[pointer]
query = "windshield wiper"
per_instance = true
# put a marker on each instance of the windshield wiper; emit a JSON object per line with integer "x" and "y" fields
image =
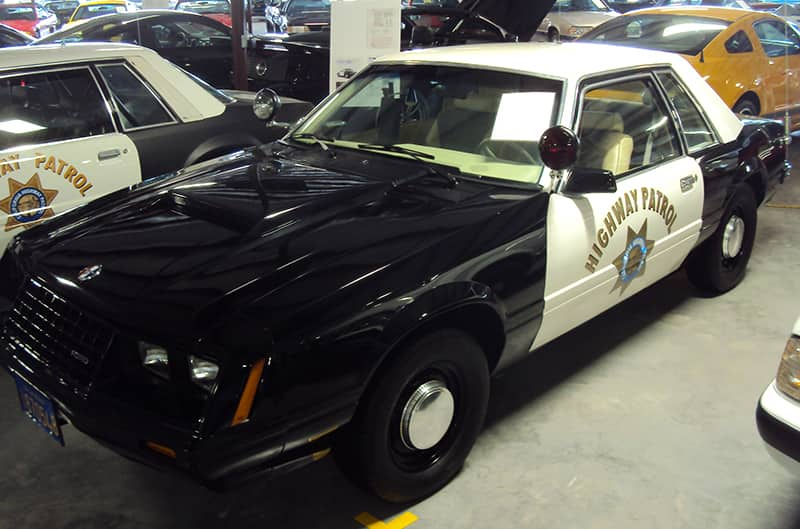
{"x": 422, "y": 157}
{"x": 319, "y": 141}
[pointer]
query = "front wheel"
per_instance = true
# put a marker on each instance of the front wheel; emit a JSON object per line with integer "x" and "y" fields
{"x": 417, "y": 422}
{"x": 719, "y": 264}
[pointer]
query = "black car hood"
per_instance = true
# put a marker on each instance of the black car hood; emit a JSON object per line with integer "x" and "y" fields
{"x": 520, "y": 17}
{"x": 180, "y": 257}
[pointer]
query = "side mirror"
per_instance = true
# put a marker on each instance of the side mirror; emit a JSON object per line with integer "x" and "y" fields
{"x": 266, "y": 104}
{"x": 558, "y": 148}
{"x": 586, "y": 180}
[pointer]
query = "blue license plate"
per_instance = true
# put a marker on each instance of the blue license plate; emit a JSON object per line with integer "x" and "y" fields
{"x": 39, "y": 408}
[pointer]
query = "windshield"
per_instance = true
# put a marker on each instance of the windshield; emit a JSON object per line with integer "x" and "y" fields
{"x": 61, "y": 6}
{"x": 205, "y": 6}
{"x": 674, "y": 33}
{"x": 17, "y": 13}
{"x": 580, "y": 5}
{"x": 84, "y": 12}
{"x": 478, "y": 122}
{"x": 298, "y": 7}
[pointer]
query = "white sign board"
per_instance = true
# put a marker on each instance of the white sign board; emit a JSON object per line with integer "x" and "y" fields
{"x": 361, "y": 31}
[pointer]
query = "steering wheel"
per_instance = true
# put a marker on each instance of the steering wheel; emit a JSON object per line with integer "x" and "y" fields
{"x": 517, "y": 153}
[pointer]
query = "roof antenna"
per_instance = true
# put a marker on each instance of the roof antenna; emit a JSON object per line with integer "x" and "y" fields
{"x": 702, "y": 56}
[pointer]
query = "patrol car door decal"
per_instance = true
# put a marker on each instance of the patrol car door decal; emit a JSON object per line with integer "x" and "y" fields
{"x": 59, "y": 167}
{"x": 605, "y": 247}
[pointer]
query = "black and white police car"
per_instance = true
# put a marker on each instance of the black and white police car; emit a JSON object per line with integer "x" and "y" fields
{"x": 80, "y": 120}
{"x": 441, "y": 215}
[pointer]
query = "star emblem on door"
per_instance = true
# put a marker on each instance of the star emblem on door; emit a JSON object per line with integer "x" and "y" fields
{"x": 27, "y": 204}
{"x": 632, "y": 262}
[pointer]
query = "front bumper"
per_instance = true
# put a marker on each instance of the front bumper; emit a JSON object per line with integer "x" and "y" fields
{"x": 778, "y": 421}
{"x": 233, "y": 456}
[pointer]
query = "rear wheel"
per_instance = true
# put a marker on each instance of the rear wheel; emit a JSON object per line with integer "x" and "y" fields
{"x": 418, "y": 421}
{"x": 720, "y": 263}
{"x": 552, "y": 35}
{"x": 746, "y": 107}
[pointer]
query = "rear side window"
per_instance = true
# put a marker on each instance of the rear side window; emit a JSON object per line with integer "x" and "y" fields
{"x": 136, "y": 104}
{"x": 51, "y": 106}
{"x": 698, "y": 134}
{"x": 777, "y": 38}
{"x": 739, "y": 43}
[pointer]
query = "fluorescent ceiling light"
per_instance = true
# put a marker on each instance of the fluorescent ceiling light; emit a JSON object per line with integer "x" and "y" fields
{"x": 18, "y": 126}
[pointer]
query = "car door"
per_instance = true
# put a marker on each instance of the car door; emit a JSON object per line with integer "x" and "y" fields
{"x": 201, "y": 46}
{"x": 146, "y": 119}
{"x": 58, "y": 146}
{"x": 780, "y": 44}
{"x": 603, "y": 247}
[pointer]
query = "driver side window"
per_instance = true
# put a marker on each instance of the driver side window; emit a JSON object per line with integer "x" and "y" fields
{"x": 623, "y": 127}
{"x": 188, "y": 35}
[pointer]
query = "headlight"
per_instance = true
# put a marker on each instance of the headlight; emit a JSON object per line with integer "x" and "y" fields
{"x": 577, "y": 31}
{"x": 788, "y": 378}
{"x": 155, "y": 359}
{"x": 203, "y": 372}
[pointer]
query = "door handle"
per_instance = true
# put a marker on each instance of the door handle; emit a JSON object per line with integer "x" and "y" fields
{"x": 107, "y": 155}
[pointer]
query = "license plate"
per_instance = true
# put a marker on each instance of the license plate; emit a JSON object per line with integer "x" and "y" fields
{"x": 39, "y": 408}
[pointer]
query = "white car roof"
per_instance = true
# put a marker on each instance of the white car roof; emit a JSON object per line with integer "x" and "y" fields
{"x": 574, "y": 61}
{"x": 188, "y": 99}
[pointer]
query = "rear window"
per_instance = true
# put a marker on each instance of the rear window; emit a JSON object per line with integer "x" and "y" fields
{"x": 84, "y": 12}
{"x": 674, "y": 33}
{"x": 17, "y": 13}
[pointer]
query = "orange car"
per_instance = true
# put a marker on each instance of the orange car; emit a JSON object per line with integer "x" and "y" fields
{"x": 751, "y": 58}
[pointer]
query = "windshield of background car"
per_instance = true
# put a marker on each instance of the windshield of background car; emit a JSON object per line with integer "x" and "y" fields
{"x": 61, "y": 6}
{"x": 480, "y": 122}
{"x": 580, "y": 5}
{"x": 674, "y": 33}
{"x": 204, "y": 7}
{"x": 298, "y": 7}
{"x": 15, "y": 12}
{"x": 84, "y": 12}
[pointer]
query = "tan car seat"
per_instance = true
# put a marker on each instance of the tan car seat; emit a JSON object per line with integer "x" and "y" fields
{"x": 604, "y": 144}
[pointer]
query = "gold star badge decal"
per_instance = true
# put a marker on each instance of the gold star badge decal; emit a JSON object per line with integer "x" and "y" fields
{"x": 632, "y": 262}
{"x": 28, "y": 203}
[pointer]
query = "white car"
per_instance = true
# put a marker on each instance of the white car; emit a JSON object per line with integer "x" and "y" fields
{"x": 81, "y": 120}
{"x": 569, "y": 19}
{"x": 778, "y": 412}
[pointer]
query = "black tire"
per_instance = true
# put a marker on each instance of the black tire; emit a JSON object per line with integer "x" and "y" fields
{"x": 708, "y": 267}
{"x": 372, "y": 450}
{"x": 745, "y": 106}
{"x": 552, "y": 35}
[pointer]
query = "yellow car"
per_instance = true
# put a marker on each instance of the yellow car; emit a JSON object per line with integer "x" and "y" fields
{"x": 96, "y": 8}
{"x": 751, "y": 58}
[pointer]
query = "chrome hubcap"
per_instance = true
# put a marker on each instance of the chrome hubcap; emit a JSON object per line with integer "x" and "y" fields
{"x": 427, "y": 415}
{"x": 733, "y": 237}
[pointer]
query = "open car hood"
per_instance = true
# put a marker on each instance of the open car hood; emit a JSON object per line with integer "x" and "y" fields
{"x": 520, "y": 17}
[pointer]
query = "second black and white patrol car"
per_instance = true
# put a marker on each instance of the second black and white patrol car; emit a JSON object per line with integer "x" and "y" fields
{"x": 81, "y": 120}
{"x": 354, "y": 285}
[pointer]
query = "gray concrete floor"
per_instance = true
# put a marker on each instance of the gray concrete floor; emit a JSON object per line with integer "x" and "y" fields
{"x": 642, "y": 418}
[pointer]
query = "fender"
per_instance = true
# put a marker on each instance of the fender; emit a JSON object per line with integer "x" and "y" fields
{"x": 221, "y": 145}
{"x": 442, "y": 302}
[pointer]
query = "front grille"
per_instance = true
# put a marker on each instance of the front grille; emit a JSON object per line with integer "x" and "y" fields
{"x": 66, "y": 342}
